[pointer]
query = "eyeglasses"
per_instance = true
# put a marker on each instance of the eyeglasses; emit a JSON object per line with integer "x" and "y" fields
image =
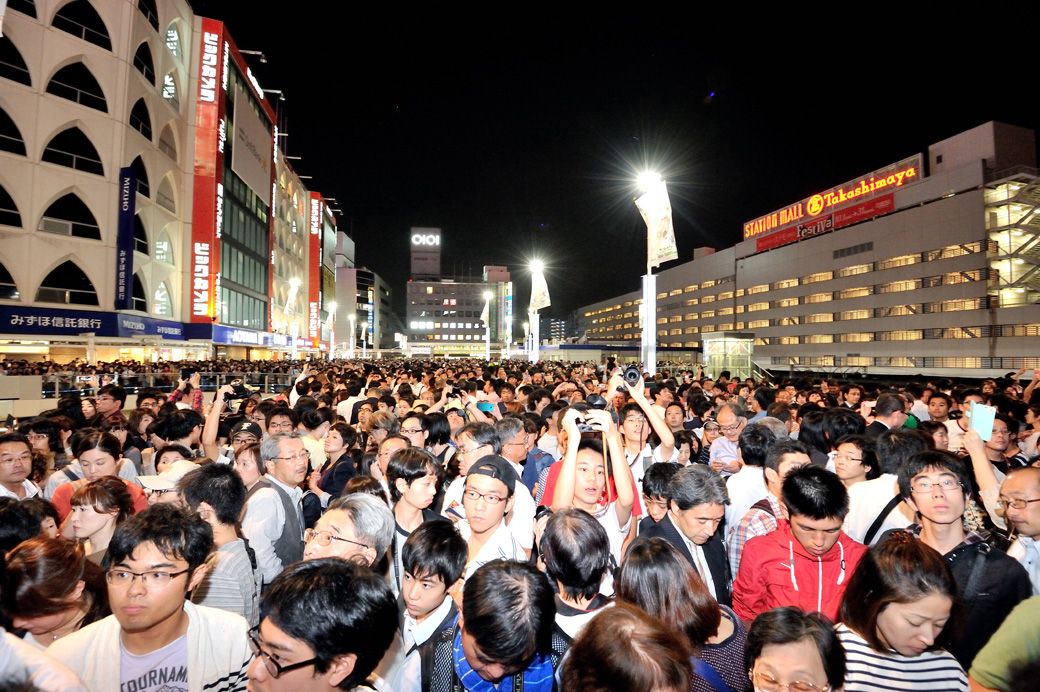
{"x": 711, "y": 428}
{"x": 325, "y": 538}
{"x": 151, "y": 580}
{"x": 634, "y": 419}
{"x": 733, "y": 427}
{"x": 846, "y": 457}
{"x": 469, "y": 451}
{"x": 410, "y": 431}
{"x": 490, "y": 499}
{"x": 767, "y": 683}
{"x": 299, "y": 456}
{"x": 273, "y": 667}
{"x": 1017, "y": 503}
{"x": 925, "y": 486}
{"x": 37, "y": 436}
{"x": 160, "y": 491}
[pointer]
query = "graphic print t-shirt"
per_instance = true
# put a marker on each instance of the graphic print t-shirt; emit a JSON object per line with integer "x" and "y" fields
{"x": 164, "y": 670}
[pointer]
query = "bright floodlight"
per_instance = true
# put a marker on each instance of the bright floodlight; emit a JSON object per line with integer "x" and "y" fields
{"x": 648, "y": 179}
{"x": 488, "y": 295}
{"x": 537, "y": 265}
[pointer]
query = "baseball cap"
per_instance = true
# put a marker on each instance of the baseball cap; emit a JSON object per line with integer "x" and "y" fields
{"x": 496, "y": 467}
{"x": 167, "y": 480}
{"x": 248, "y": 427}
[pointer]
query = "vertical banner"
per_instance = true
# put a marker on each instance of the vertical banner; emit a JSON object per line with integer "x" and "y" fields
{"x": 125, "y": 239}
{"x": 314, "y": 273}
{"x": 210, "y": 137}
{"x": 656, "y": 211}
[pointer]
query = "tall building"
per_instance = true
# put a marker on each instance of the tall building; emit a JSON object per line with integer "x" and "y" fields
{"x": 895, "y": 272}
{"x": 144, "y": 208}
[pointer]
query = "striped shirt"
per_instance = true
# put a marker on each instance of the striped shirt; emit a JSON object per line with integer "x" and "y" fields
{"x": 877, "y": 670}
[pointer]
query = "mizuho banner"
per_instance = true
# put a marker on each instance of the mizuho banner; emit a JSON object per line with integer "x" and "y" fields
{"x": 125, "y": 239}
{"x": 252, "y": 149}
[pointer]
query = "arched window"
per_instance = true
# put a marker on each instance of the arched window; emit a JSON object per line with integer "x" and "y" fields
{"x": 76, "y": 83}
{"x": 138, "y": 299}
{"x": 143, "y": 62}
{"x": 72, "y": 149}
{"x": 10, "y": 138}
{"x": 161, "y": 303}
{"x": 9, "y": 215}
{"x": 169, "y": 90}
{"x": 140, "y": 235}
{"x": 8, "y": 291}
{"x": 164, "y": 196}
{"x": 67, "y": 284}
{"x": 168, "y": 143}
{"x": 27, "y": 7}
{"x": 68, "y": 215}
{"x": 164, "y": 248}
{"x": 80, "y": 19}
{"x": 149, "y": 11}
{"x": 141, "y": 173}
{"x": 140, "y": 120}
{"x": 173, "y": 40}
{"x": 12, "y": 66}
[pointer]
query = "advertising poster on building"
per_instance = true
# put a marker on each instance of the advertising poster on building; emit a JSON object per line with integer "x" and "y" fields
{"x": 252, "y": 153}
{"x": 125, "y": 239}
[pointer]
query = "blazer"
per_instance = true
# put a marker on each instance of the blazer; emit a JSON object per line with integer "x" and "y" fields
{"x": 714, "y": 555}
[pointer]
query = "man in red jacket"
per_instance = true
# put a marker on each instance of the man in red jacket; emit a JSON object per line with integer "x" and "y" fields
{"x": 808, "y": 560}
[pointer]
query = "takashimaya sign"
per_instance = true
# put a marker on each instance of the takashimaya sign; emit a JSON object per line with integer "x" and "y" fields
{"x": 880, "y": 182}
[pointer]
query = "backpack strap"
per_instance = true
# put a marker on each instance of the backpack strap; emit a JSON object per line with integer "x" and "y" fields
{"x": 971, "y": 590}
{"x": 70, "y": 474}
{"x": 709, "y": 675}
{"x": 880, "y": 519}
{"x": 765, "y": 506}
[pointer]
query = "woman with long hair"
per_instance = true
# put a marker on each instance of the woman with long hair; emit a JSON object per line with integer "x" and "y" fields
{"x": 658, "y": 579}
{"x": 99, "y": 454}
{"x": 97, "y": 509}
{"x": 50, "y": 589}
{"x": 340, "y": 446}
{"x": 898, "y": 613}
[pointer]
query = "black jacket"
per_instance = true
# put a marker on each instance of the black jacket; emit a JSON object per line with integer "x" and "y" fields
{"x": 714, "y": 555}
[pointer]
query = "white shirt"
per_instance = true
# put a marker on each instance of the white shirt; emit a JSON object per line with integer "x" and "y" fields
{"x": 955, "y": 433}
{"x": 635, "y": 462}
{"x": 616, "y": 533}
{"x": 520, "y": 520}
{"x": 745, "y": 487}
{"x": 263, "y": 523}
{"x": 501, "y": 545}
{"x": 344, "y": 407}
{"x": 1027, "y": 552}
{"x": 127, "y": 471}
{"x": 700, "y": 562}
{"x": 866, "y": 500}
{"x": 408, "y": 676}
{"x": 28, "y": 487}
{"x": 920, "y": 409}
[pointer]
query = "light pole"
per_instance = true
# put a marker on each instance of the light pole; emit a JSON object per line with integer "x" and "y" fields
{"x": 352, "y": 319}
{"x": 330, "y": 322}
{"x": 527, "y": 337}
{"x": 486, "y": 315}
{"x": 539, "y": 300}
{"x": 656, "y": 211}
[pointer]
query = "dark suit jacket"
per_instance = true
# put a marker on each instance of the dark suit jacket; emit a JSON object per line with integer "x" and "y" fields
{"x": 714, "y": 554}
{"x": 874, "y": 430}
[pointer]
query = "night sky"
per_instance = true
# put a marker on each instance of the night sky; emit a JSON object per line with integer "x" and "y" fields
{"x": 520, "y": 137}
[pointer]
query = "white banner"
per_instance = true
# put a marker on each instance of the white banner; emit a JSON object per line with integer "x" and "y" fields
{"x": 252, "y": 148}
{"x": 484, "y": 316}
{"x": 656, "y": 211}
{"x": 539, "y": 291}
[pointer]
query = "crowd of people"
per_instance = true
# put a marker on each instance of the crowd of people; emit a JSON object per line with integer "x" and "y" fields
{"x": 463, "y": 525}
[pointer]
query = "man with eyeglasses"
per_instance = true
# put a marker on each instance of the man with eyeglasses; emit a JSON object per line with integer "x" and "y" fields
{"x": 295, "y": 651}
{"x": 724, "y": 456}
{"x": 273, "y": 522}
{"x": 936, "y": 484}
{"x": 356, "y": 527}
{"x": 487, "y": 497}
{"x": 154, "y": 636}
{"x": 109, "y": 402}
{"x": 15, "y": 467}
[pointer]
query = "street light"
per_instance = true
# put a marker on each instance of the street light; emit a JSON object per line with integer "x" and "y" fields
{"x": 656, "y": 211}
{"x": 539, "y": 300}
{"x": 330, "y": 322}
{"x": 486, "y": 316}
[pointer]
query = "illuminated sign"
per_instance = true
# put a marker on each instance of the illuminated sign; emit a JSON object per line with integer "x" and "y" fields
{"x": 825, "y": 224}
{"x": 200, "y": 295}
{"x": 315, "y": 215}
{"x": 208, "y": 70}
{"x": 427, "y": 239}
{"x": 853, "y": 192}
{"x": 256, "y": 85}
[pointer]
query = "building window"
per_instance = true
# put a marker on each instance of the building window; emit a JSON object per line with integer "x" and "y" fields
{"x": 147, "y": 8}
{"x": 819, "y": 317}
{"x": 818, "y": 276}
{"x": 68, "y": 215}
{"x": 164, "y": 249}
{"x": 900, "y": 261}
{"x": 170, "y": 92}
{"x": 67, "y": 284}
{"x": 164, "y": 196}
{"x": 786, "y": 283}
{"x": 143, "y": 63}
{"x": 856, "y": 292}
{"x": 173, "y": 41}
{"x": 72, "y": 149}
{"x": 8, "y": 290}
{"x": 168, "y": 143}
{"x": 80, "y": 19}
{"x": 12, "y": 66}
{"x": 855, "y": 269}
{"x": 9, "y": 215}
{"x": 76, "y": 83}
{"x": 140, "y": 120}
{"x": 141, "y": 174}
{"x": 819, "y": 297}
{"x": 855, "y": 314}
{"x": 140, "y": 236}
{"x": 138, "y": 300}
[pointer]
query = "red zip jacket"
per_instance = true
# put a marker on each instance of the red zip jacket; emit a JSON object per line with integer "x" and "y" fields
{"x": 766, "y": 579}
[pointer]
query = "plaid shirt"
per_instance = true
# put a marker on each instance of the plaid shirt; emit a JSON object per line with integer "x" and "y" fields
{"x": 757, "y": 522}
